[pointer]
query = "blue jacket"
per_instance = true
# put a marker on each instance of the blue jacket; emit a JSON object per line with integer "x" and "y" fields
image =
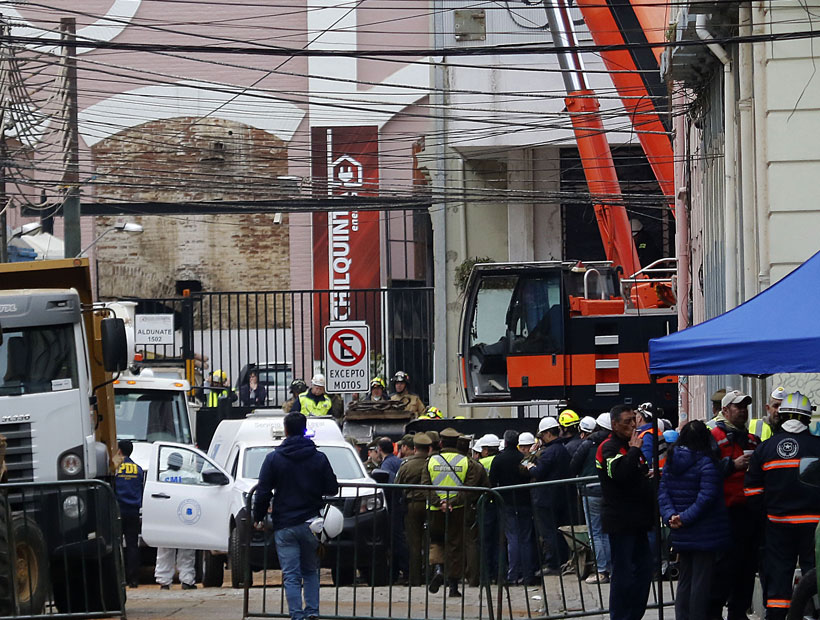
{"x": 128, "y": 487}
{"x": 391, "y": 464}
{"x": 301, "y": 476}
{"x": 691, "y": 486}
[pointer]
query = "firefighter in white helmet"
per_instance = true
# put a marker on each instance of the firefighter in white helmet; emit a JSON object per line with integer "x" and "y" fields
{"x": 790, "y": 508}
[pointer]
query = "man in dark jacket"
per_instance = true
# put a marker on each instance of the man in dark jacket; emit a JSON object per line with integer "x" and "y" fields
{"x": 506, "y": 470}
{"x": 551, "y": 503}
{"x": 301, "y": 476}
{"x": 628, "y": 515}
{"x": 128, "y": 487}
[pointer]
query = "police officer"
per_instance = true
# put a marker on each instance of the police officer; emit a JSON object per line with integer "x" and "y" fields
{"x": 772, "y": 484}
{"x": 373, "y": 461}
{"x": 766, "y": 427}
{"x": 446, "y": 508}
{"x": 412, "y": 472}
{"x": 413, "y": 403}
{"x": 297, "y": 386}
{"x": 314, "y": 402}
{"x": 128, "y": 487}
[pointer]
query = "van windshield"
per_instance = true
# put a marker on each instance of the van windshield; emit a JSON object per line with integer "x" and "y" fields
{"x": 344, "y": 463}
{"x": 38, "y": 359}
{"x": 152, "y": 415}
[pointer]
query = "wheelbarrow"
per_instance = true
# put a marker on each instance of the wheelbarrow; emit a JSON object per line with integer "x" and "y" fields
{"x": 581, "y": 557}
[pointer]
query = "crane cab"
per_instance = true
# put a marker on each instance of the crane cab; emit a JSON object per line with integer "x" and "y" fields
{"x": 558, "y": 331}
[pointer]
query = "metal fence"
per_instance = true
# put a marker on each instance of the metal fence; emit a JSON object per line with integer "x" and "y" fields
{"x": 280, "y": 332}
{"x": 381, "y": 566}
{"x": 60, "y": 551}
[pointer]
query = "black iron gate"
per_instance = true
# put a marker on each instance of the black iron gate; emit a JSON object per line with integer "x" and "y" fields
{"x": 280, "y": 333}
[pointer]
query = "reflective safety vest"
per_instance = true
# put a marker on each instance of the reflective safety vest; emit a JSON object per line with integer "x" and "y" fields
{"x": 662, "y": 446}
{"x": 487, "y": 461}
{"x": 214, "y": 396}
{"x": 311, "y": 407}
{"x": 447, "y": 470}
{"x": 760, "y": 428}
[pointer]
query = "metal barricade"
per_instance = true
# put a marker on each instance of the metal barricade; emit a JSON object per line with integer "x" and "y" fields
{"x": 60, "y": 550}
{"x": 372, "y": 569}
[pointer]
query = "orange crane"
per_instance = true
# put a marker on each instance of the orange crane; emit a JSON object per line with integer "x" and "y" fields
{"x": 578, "y": 334}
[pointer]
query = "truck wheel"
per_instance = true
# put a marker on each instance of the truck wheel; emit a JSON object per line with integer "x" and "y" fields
{"x": 30, "y": 565}
{"x": 237, "y": 558}
{"x": 343, "y": 575}
{"x": 804, "y": 598}
{"x": 213, "y": 569}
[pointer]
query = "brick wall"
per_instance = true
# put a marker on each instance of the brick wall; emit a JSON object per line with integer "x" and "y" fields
{"x": 191, "y": 159}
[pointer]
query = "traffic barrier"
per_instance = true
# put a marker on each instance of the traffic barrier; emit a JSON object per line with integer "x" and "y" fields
{"x": 367, "y": 572}
{"x": 60, "y": 550}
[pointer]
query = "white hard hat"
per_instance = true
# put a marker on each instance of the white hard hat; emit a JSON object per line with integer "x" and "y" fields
{"x": 587, "y": 424}
{"x": 604, "y": 421}
{"x": 489, "y": 441}
{"x": 547, "y": 424}
{"x": 526, "y": 439}
{"x": 328, "y": 524}
{"x": 318, "y": 380}
{"x": 477, "y": 446}
{"x": 779, "y": 393}
{"x": 796, "y": 404}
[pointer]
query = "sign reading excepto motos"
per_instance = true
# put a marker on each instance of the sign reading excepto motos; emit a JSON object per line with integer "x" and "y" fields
{"x": 347, "y": 359}
{"x": 157, "y": 329}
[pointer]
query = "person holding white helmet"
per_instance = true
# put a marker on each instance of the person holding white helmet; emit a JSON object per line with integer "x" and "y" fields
{"x": 766, "y": 427}
{"x": 772, "y": 485}
{"x": 300, "y": 477}
{"x": 550, "y": 503}
{"x": 314, "y": 401}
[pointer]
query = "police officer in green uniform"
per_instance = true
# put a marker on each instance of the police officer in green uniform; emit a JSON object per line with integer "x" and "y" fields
{"x": 447, "y": 469}
{"x": 411, "y": 472}
{"x": 314, "y": 402}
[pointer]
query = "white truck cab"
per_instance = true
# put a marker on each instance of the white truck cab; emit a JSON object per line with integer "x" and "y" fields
{"x": 149, "y": 409}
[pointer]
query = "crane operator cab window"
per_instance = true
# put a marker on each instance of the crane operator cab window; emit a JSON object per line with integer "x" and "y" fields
{"x": 512, "y": 315}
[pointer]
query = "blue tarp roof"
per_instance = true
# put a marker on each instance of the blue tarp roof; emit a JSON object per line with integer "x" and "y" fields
{"x": 776, "y": 331}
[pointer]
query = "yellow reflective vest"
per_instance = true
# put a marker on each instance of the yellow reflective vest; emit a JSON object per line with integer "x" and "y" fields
{"x": 448, "y": 469}
{"x": 487, "y": 461}
{"x": 760, "y": 428}
{"x": 311, "y": 407}
{"x": 214, "y": 396}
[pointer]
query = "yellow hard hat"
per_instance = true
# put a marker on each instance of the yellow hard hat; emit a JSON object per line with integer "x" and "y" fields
{"x": 434, "y": 413}
{"x": 219, "y": 375}
{"x": 568, "y": 418}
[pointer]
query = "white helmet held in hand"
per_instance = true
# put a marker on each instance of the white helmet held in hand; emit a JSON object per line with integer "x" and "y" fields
{"x": 328, "y": 524}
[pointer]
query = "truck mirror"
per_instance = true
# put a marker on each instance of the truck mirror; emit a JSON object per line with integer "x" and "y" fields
{"x": 114, "y": 346}
{"x": 810, "y": 471}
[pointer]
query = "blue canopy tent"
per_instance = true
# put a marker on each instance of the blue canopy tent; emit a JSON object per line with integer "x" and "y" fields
{"x": 776, "y": 331}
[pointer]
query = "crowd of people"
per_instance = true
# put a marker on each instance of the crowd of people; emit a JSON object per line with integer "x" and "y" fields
{"x": 730, "y": 502}
{"x": 724, "y": 496}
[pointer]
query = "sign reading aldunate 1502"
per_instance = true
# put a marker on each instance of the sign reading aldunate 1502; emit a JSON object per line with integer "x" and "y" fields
{"x": 347, "y": 359}
{"x": 157, "y": 329}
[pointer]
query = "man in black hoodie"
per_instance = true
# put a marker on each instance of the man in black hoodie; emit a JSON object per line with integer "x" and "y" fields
{"x": 627, "y": 515}
{"x": 301, "y": 476}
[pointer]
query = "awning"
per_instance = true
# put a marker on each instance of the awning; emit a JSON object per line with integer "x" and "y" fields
{"x": 776, "y": 331}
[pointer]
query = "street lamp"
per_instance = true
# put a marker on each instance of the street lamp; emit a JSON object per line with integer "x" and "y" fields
{"x": 127, "y": 227}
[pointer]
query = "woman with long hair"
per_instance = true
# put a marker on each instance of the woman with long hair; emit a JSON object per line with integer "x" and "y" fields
{"x": 691, "y": 502}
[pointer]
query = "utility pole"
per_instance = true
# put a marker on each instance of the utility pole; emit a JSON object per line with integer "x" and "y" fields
{"x": 4, "y": 241}
{"x": 71, "y": 142}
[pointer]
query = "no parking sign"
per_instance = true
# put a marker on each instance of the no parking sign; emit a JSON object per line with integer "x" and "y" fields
{"x": 347, "y": 362}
